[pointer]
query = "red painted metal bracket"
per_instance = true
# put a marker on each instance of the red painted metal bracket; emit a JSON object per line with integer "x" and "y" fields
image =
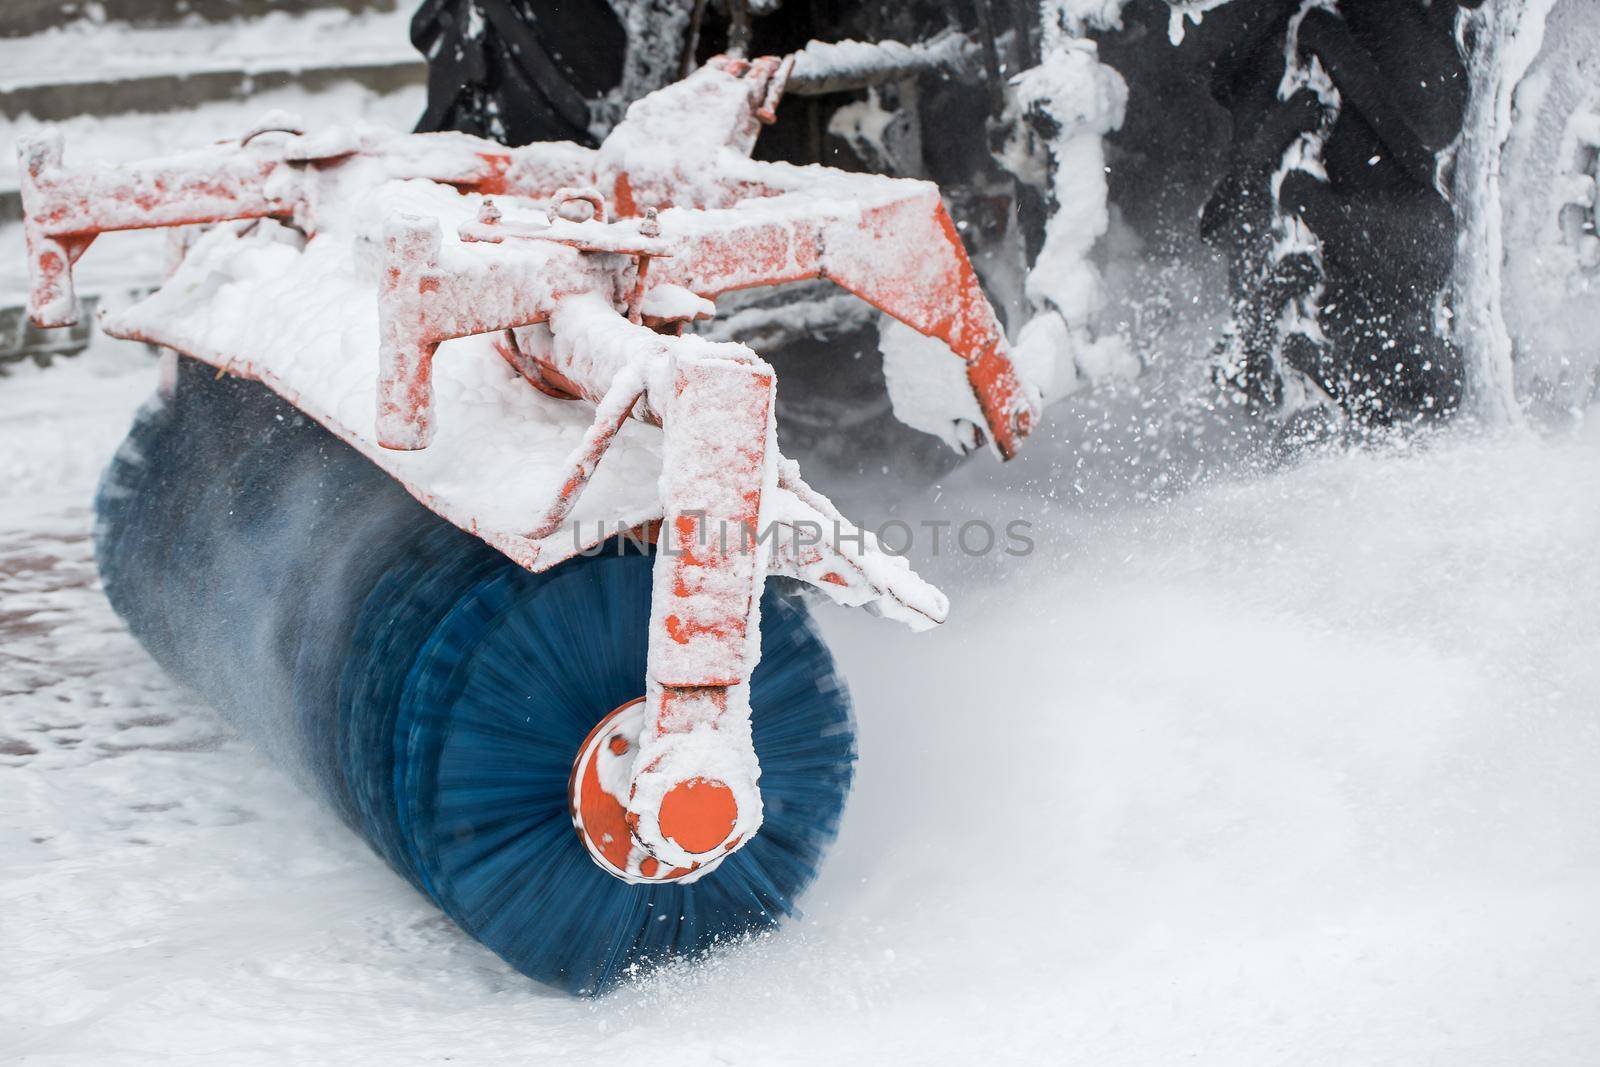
{"x": 66, "y": 208}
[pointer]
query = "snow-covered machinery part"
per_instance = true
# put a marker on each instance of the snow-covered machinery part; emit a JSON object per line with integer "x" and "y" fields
{"x": 501, "y": 331}
{"x": 831, "y": 67}
{"x": 1529, "y": 304}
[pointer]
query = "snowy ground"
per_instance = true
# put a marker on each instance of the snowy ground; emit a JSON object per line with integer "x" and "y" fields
{"x": 1297, "y": 768}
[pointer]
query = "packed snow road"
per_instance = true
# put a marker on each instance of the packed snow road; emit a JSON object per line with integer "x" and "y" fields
{"x": 1302, "y": 767}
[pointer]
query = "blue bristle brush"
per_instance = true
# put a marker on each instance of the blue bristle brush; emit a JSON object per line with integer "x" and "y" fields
{"x": 434, "y": 693}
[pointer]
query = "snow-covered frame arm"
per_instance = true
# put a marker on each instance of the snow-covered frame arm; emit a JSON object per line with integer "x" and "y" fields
{"x": 64, "y": 210}
{"x": 66, "y": 207}
{"x": 888, "y": 240}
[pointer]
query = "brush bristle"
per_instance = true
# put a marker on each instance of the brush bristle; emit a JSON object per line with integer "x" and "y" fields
{"x": 435, "y": 693}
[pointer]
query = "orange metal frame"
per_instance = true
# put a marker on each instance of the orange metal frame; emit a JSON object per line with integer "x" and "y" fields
{"x": 732, "y": 224}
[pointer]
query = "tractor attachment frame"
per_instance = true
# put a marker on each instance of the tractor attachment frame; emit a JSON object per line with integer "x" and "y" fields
{"x": 575, "y": 272}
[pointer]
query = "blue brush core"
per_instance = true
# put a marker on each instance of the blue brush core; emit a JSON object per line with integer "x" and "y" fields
{"x": 434, "y": 692}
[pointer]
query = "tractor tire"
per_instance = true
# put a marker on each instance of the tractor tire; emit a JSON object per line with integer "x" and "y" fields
{"x": 1333, "y": 210}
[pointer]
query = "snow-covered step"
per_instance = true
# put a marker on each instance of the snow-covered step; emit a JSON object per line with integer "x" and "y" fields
{"x": 53, "y": 103}
{"x": 22, "y": 18}
{"x": 102, "y": 69}
{"x": 138, "y": 88}
{"x": 21, "y": 339}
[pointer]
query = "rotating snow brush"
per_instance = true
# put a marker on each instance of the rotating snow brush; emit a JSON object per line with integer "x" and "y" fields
{"x": 434, "y": 693}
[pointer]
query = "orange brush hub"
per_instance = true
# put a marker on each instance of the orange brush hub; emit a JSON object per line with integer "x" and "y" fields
{"x": 696, "y": 814}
